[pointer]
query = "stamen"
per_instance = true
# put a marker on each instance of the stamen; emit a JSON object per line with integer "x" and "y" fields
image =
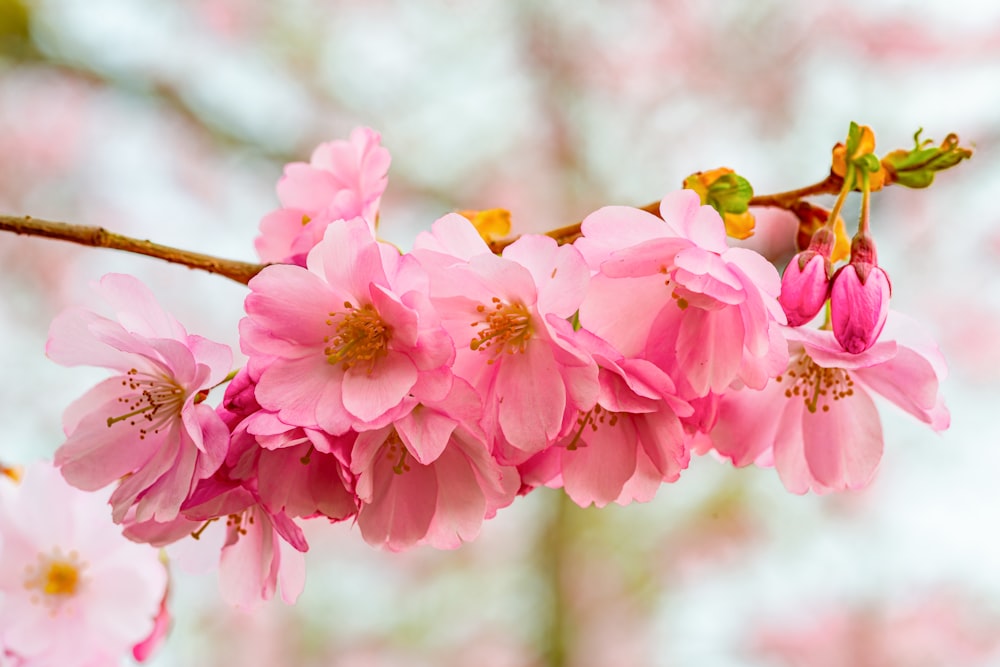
{"x": 595, "y": 417}
{"x": 816, "y": 385}
{"x": 360, "y": 335}
{"x": 396, "y": 451}
{"x": 507, "y": 327}
{"x": 156, "y": 398}
{"x": 197, "y": 534}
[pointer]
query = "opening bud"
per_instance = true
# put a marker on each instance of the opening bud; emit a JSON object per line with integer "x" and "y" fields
{"x": 859, "y": 298}
{"x": 805, "y": 284}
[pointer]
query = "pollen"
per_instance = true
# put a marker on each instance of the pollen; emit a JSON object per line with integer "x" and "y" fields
{"x": 55, "y": 578}
{"x": 150, "y": 399}
{"x": 816, "y": 385}
{"x": 359, "y": 335}
{"x": 506, "y": 327}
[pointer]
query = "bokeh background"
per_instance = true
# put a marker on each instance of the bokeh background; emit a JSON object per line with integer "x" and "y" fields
{"x": 171, "y": 120}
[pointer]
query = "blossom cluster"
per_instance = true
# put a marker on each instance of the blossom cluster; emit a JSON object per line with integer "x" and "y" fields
{"x": 417, "y": 393}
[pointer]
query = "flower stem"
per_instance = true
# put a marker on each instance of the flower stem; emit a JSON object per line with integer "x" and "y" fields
{"x": 863, "y": 223}
{"x": 841, "y": 198}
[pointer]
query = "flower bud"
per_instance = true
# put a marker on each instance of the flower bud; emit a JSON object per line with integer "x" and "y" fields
{"x": 859, "y": 298}
{"x": 805, "y": 285}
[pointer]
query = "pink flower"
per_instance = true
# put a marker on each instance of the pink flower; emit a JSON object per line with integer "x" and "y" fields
{"x": 817, "y": 423}
{"x": 74, "y": 591}
{"x": 262, "y": 550}
{"x": 344, "y": 180}
{"x": 339, "y": 345}
{"x": 301, "y": 472}
{"x": 673, "y": 292}
{"x": 859, "y": 298}
{"x": 623, "y": 448}
{"x": 429, "y": 478}
{"x": 148, "y": 423}
{"x": 509, "y": 317}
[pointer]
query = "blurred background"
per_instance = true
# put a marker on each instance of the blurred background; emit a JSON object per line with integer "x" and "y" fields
{"x": 171, "y": 120}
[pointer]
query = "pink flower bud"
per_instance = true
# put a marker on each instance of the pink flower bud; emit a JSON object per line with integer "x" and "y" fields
{"x": 804, "y": 287}
{"x": 859, "y": 304}
{"x": 859, "y": 297}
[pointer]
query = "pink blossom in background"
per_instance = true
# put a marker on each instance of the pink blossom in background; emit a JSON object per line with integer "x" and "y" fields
{"x": 75, "y": 592}
{"x": 343, "y": 344}
{"x": 938, "y": 629}
{"x": 146, "y": 424}
{"x": 816, "y": 423}
{"x": 343, "y": 180}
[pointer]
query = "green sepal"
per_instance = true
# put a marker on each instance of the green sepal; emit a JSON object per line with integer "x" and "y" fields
{"x": 730, "y": 193}
{"x": 853, "y": 139}
{"x": 575, "y": 321}
{"x": 916, "y": 167}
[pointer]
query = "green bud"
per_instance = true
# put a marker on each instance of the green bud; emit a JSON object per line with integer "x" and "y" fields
{"x": 916, "y": 167}
{"x": 730, "y": 193}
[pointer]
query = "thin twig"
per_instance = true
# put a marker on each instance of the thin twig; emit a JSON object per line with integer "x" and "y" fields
{"x": 786, "y": 200}
{"x": 98, "y": 237}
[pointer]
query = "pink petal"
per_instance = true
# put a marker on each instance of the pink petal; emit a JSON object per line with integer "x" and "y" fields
{"x": 369, "y": 395}
{"x": 682, "y": 211}
{"x": 402, "y": 506}
{"x": 426, "y": 433}
{"x": 291, "y": 303}
{"x": 843, "y": 446}
{"x": 461, "y": 503}
{"x": 595, "y": 471}
{"x": 531, "y": 397}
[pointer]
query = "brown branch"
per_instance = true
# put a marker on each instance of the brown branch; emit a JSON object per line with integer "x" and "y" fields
{"x": 830, "y": 185}
{"x": 242, "y": 272}
{"x": 99, "y": 237}
{"x": 787, "y": 200}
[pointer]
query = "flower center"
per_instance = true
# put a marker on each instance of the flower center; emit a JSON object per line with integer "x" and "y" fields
{"x": 56, "y": 576}
{"x": 359, "y": 335}
{"x": 153, "y": 398}
{"x": 816, "y": 385}
{"x": 507, "y": 327}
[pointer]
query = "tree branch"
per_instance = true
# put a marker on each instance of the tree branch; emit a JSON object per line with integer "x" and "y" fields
{"x": 98, "y": 237}
{"x": 787, "y": 200}
{"x": 242, "y": 272}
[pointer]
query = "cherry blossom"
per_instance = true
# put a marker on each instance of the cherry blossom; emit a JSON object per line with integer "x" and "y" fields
{"x": 428, "y": 478}
{"x": 343, "y": 180}
{"x": 508, "y": 316}
{"x": 816, "y": 423}
{"x": 627, "y": 445}
{"x": 74, "y": 591}
{"x": 147, "y": 424}
{"x": 674, "y": 292}
{"x": 340, "y": 344}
